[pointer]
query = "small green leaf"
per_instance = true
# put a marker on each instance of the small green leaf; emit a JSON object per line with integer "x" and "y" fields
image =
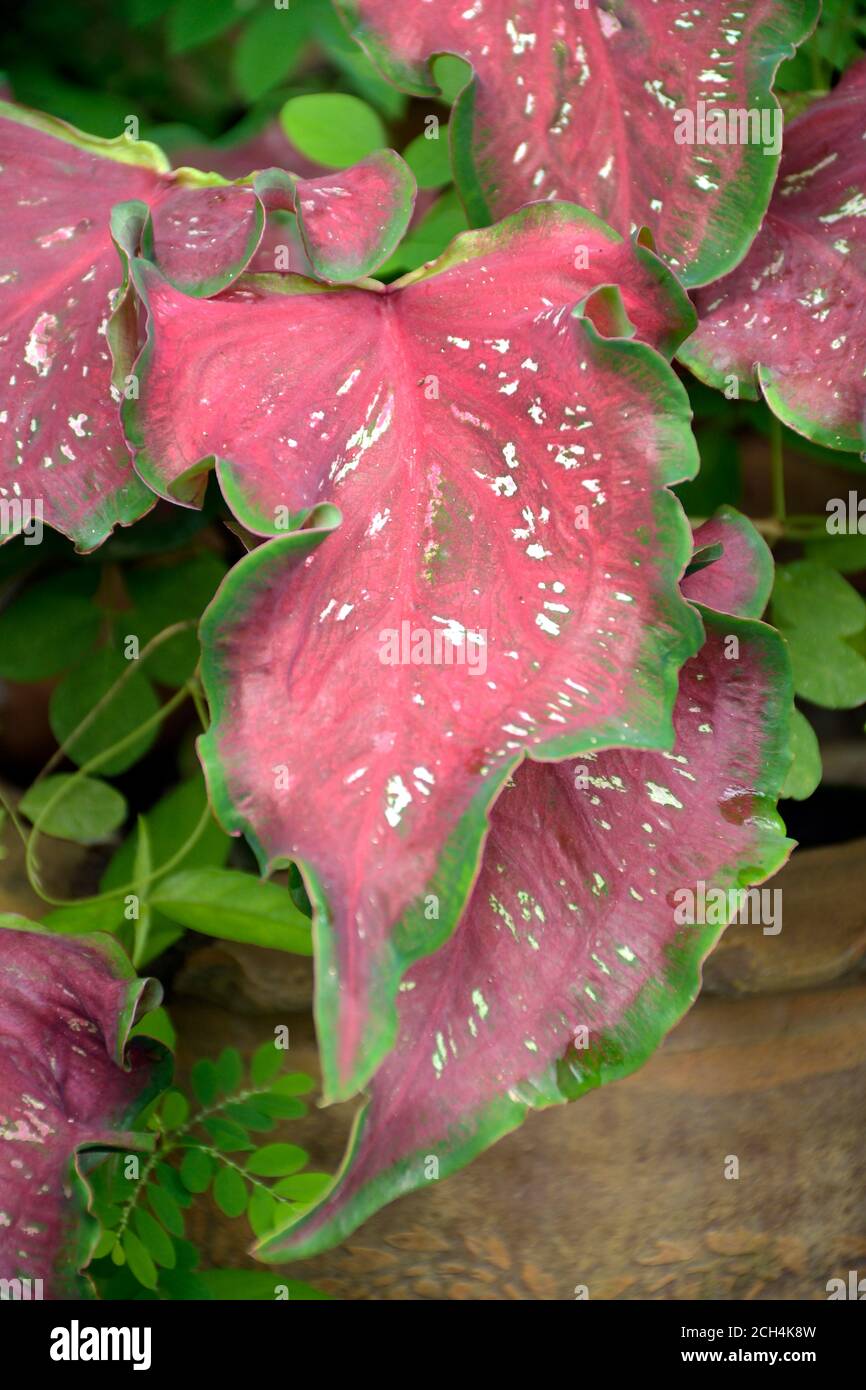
{"x": 196, "y": 1170}
{"x": 156, "y": 1024}
{"x": 164, "y": 593}
{"x": 229, "y": 1137}
{"x": 174, "y": 1109}
{"x": 820, "y": 615}
{"x": 48, "y": 626}
{"x": 105, "y": 1245}
{"x": 233, "y": 1285}
{"x": 205, "y": 1081}
{"x": 141, "y": 871}
{"x": 230, "y": 1192}
{"x": 276, "y": 1160}
{"x": 84, "y": 809}
{"x": 230, "y": 1070}
{"x": 252, "y": 1117}
{"x": 269, "y": 49}
{"x": 295, "y": 1083}
{"x": 194, "y": 22}
{"x": 78, "y": 921}
{"x": 170, "y": 823}
{"x": 333, "y": 128}
{"x": 154, "y": 1238}
{"x": 281, "y": 1107}
{"x": 234, "y": 906}
{"x": 169, "y": 1179}
{"x": 166, "y": 1208}
{"x": 439, "y": 225}
{"x": 810, "y": 595}
{"x": 452, "y": 74}
{"x": 429, "y": 159}
{"x": 138, "y": 1259}
{"x": 827, "y": 671}
{"x": 266, "y": 1063}
{"x": 847, "y": 554}
{"x": 303, "y": 1187}
{"x": 126, "y": 708}
{"x": 262, "y": 1212}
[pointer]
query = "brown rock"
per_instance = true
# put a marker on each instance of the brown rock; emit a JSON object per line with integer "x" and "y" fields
{"x": 815, "y": 945}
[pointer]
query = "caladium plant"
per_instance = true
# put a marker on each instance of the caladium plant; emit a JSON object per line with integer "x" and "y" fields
{"x": 476, "y": 682}
{"x": 71, "y": 1084}
{"x": 790, "y": 321}
{"x": 505, "y": 540}
{"x": 64, "y": 308}
{"x": 584, "y": 102}
{"x": 572, "y": 959}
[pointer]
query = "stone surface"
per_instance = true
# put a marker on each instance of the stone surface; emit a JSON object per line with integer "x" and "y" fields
{"x": 823, "y": 898}
{"x": 625, "y": 1191}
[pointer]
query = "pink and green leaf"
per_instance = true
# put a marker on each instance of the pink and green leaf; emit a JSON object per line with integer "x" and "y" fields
{"x": 317, "y": 366}
{"x": 790, "y": 321}
{"x": 64, "y": 311}
{"x": 61, "y": 447}
{"x": 203, "y": 232}
{"x": 578, "y": 950}
{"x": 580, "y": 102}
{"x": 71, "y": 1081}
{"x": 353, "y": 219}
{"x": 519, "y": 511}
{"x": 741, "y": 580}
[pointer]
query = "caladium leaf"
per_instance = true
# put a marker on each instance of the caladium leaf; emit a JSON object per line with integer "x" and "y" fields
{"x": 352, "y": 220}
{"x": 321, "y": 380}
{"x": 791, "y": 320}
{"x": 71, "y": 1080}
{"x": 203, "y": 233}
{"x": 604, "y": 884}
{"x": 741, "y": 579}
{"x": 62, "y": 454}
{"x": 504, "y": 579}
{"x": 64, "y": 310}
{"x": 582, "y": 102}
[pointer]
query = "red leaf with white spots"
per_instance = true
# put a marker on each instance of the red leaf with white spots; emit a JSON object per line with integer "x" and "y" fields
{"x": 579, "y": 949}
{"x": 69, "y": 1081}
{"x": 62, "y": 453}
{"x": 515, "y": 516}
{"x": 580, "y": 102}
{"x": 63, "y": 308}
{"x": 61, "y": 449}
{"x": 741, "y": 579}
{"x": 791, "y": 320}
{"x": 204, "y": 235}
{"x": 352, "y": 221}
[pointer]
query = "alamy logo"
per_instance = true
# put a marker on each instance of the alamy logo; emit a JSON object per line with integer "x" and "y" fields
{"x": 17, "y": 1290}
{"x": 719, "y": 907}
{"x": 77, "y": 1343}
{"x": 22, "y": 516}
{"x": 451, "y": 645}
{"x": 712, "y": 125}
{"x": 855, "y": 1288}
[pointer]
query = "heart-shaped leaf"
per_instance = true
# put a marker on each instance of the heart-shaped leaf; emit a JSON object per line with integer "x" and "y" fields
{"x": 604, "y": 884}
{"x": 791, "y": 320}
{"x": 741, "y": 581}
{"x": 64, "y": 309}
{"x": 62, "y": 456}
{"x": 69, "y": 1081}
{"x": 604, "y": 103}
{"x": 505, "y": 578}
{"x": 353, "y": 220}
